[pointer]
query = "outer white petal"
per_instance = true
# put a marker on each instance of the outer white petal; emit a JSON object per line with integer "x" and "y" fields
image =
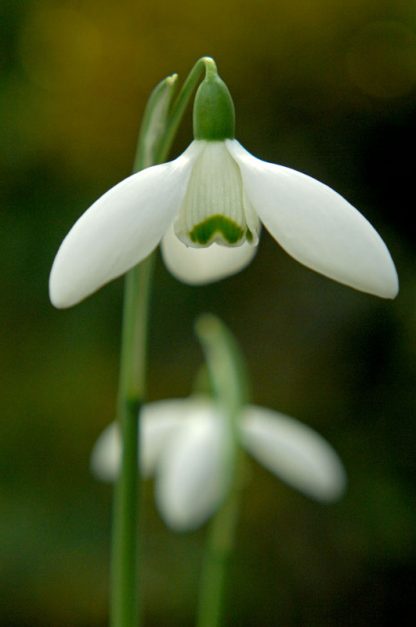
{"x": 120, "y": 229}
{"x": 293, "y": 452}
{"x": 317, "y": 226}
{"x": 105, "y": 456}
{"x": 159, "y": 421}
{"x": 192, "y": 477}
{"x": 198, "y": 266}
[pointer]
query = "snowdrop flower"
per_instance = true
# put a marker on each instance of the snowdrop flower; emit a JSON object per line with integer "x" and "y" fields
{"x": 184, "y": 444}
{"x": 206, "y": 208}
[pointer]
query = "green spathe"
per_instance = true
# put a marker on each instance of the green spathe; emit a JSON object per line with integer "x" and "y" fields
{"x": 213, "y": 115}
{"x": 206, "y": 232}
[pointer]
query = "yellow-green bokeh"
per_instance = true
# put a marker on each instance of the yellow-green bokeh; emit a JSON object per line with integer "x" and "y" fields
{"x": 321, "y": 86}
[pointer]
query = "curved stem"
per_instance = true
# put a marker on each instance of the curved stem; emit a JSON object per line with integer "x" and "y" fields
{"x": 178, "y": 108}
{"x": 229, "y": 381}
{"x": 160, "y": 123}
{"x": 218, "y": 553}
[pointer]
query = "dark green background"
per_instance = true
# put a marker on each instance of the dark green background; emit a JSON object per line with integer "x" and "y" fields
{"x": 324, "y": 87}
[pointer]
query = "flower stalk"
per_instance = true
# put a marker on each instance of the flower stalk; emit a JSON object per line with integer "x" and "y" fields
{"x": 124, "y": 567}
{"x": 219, "y": 550}
{"x": 160, "y": 123}
{"x": 229, "y": 382}
{"x": 181, "y": 102}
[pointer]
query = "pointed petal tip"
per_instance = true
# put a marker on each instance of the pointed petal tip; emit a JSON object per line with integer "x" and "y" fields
{"x": 180, "y": 522}
{"x": 381, "y": 279}
{"x": 384, "y": 284}
{"x": 392, "y": 287}
{"x": 64, "y": 292}
{"x": 59, "y": 299}
{"x": 105, "y": 455}
{"x": 336, "y": 485}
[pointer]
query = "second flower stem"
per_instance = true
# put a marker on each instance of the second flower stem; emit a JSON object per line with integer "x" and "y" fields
{"x": 229, "y": 381}
{"x": 218, "y": 553}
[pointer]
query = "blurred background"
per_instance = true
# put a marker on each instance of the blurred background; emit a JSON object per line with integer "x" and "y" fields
{"x": 325, "y": 87}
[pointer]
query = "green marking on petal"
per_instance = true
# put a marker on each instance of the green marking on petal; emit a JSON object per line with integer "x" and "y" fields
{"x": 207, "y": 231}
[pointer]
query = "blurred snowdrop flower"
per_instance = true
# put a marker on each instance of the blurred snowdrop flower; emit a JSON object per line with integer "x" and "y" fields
{"x": 206, "y": 208}
{"x": 185, "y": 445}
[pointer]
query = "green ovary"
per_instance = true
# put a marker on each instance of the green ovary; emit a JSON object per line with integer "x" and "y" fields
{"x": 217, "y": 227}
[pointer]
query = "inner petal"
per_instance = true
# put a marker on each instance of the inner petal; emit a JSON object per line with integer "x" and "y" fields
{"x": 213, "y": 209}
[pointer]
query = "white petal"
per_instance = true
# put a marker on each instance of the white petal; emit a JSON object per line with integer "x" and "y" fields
{"x": 192, "y": 476}
{"x": 198, "y": 266}
{"x": 105, "y": 456}
{"x": 317, "y": 226}
{"x": 119, "y": 230}
{"x": 293, "y": 452}
{"x": 159, "y": 420}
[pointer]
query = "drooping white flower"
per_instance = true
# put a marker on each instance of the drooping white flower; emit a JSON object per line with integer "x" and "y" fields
{"x": 206, "y": 207}
{"x": 184, "y": 444}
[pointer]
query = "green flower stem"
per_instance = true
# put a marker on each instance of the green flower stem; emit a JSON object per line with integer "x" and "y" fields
{"x": 229, "y": 381}
{"x": 218, "y": 553}
{"x": 124, "y": 570}
{"x": 160, "y": 123}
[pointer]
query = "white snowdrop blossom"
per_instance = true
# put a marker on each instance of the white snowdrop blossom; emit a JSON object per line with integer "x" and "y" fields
{"x": 206, "y": 209}
{"x": 185, "y": 445}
